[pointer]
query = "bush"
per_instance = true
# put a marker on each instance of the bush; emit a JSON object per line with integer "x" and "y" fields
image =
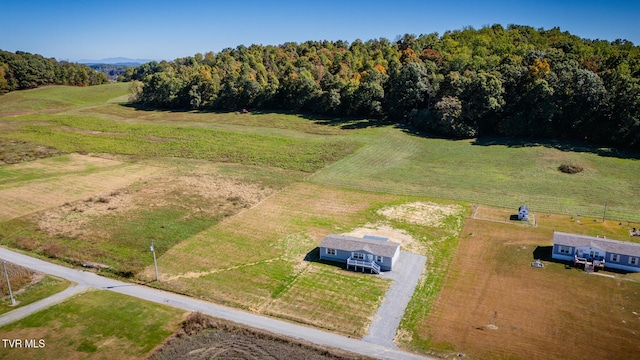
{"x": 196, "y": 322}
{"x": 570, "y": 168}
{"x": 53, "y": 250}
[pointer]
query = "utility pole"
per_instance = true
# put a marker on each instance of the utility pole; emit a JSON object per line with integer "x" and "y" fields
{"x": 155, "y": 263}
{"x": 13, "y": 301}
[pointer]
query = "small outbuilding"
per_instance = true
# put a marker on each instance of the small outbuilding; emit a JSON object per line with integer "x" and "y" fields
{"x": 523, "y": 213}
{"x": 594, "y": 252}
{"x": 374, "y": 253}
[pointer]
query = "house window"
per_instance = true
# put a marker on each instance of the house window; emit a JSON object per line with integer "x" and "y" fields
{"x": 331, "y": 251}
{"x": 378, "y": 258}
{"x": 564, "y": 249}
{"x": 633, "y": 260}
{"x": 358, "y": 256}
{"x": 615, "y": 257}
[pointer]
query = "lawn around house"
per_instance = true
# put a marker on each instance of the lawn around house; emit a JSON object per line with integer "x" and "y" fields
{"x": 256, "y": 259}
{"x": 45, "y": 287}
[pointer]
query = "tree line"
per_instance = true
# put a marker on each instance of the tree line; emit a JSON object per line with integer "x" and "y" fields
{"x": 515, "y": 81}
{"x": 111, "y": 71}
{"x": 22, "y": 70}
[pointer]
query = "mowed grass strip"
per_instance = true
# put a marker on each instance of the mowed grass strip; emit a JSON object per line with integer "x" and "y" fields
{"x": 254, "y": 257}
{"x": 87, "y": 134}
{"x": 261, "y": 233}
{"x": 47, "y": 286}
{"x": 53, "y": 99}
{"x": 330, "y": 297}
{"x": 498, "y": 175}
{"x": 247, "y": 286}
{"x": 38, "y": 185}
{"x": 43, "y": 169}
{"x": 262, "y": 122}
{"x": 94, "y": 325}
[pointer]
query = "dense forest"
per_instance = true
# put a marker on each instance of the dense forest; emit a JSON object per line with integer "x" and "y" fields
{"x": 516, "y": 81}
{"x": 21, "y": 70}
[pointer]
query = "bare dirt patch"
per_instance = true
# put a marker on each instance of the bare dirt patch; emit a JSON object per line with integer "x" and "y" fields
{"x": 217, "y": 194}
{"x": 16, "y": 151}
{"x": 203, "y": 337}
{"x": 421, "y": 213}
{"x": 495, "y": 305}
{"x": 90, "y": 132}
{"x": 75, "y": 178}
{"x": 407, "y": 242}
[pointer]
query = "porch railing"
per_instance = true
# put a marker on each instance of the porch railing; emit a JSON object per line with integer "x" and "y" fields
{"x": 364, "y": 265}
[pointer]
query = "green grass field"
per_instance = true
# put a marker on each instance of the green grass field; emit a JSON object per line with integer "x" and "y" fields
{"x": 93, "y": 325}
{"x": 497, "y": 175}
{"x": 58, "y": 98}
{"x": 72, "y": 133}
{"x": 391, "y": 160}
{"x": 44, "y": 288}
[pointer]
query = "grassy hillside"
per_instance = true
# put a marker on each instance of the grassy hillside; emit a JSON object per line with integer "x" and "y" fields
{"x": 392, "y": 161}
{"x": 58, "y": 98}
{"x": 497, "y": 175}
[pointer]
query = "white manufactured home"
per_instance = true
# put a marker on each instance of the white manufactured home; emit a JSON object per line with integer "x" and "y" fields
{"x": 374, "y": 253}
{"x": 596, "y": 252}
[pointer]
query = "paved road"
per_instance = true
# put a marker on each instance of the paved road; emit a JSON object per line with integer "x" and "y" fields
{"x": 405, "y": 275}
{"x": 26, "y": 310}
{"x": 88, "y": 279}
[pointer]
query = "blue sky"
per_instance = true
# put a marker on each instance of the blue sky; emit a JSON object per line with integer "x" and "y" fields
{"x": 165, "y": 30}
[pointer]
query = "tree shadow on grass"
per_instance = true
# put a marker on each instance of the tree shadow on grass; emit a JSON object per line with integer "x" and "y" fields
{"x": 345, "y": 123}
{"x": 354, "y": 124}
{"x": 140, "y": 107}
{"x": 562, "y": 145}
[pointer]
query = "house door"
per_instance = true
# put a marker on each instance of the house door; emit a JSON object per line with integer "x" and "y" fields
{"x": 369, "y": 257}
{"x": 594, "y": 254}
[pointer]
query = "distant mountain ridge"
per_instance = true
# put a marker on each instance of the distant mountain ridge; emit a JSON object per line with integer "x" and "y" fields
{"x": 115, "y": 61}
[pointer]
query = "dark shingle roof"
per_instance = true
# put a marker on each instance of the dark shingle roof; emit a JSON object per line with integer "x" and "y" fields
{"x": 352, "y": 243}
{"x": 608, "y": 245}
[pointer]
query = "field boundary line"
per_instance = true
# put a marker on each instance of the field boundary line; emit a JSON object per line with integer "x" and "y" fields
{"x": 193, "y": 274}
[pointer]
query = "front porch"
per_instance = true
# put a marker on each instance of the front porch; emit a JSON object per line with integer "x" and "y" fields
{"x": 589, "y": 264}
{"x": 374, "y": 268}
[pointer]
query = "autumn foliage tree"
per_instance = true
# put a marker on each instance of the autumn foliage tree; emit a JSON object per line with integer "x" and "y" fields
{"x": 21, "y": 70}
{"x": 514, "y": 81}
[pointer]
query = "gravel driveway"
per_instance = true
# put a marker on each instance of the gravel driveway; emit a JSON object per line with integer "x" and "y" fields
{"x": 405, "y": 275}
